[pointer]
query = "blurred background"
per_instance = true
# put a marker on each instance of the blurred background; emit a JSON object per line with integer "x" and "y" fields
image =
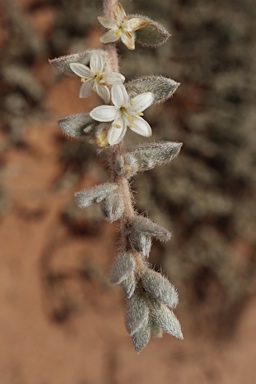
{"x": 60, "y": 320}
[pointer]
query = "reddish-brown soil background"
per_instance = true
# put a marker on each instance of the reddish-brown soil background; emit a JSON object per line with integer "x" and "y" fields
{"x": 60, "y": 320}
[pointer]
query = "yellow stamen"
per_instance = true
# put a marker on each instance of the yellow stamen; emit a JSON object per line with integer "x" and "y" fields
{"x": 116, "y": 125}
{"x": 82, "y": 80}
{"x": 130, "y": 118}
{"x": 128, "y": 34}
{"x": 139, "y": 113}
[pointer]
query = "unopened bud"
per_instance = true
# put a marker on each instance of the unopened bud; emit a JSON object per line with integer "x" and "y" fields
{"x": 101, "y": 136}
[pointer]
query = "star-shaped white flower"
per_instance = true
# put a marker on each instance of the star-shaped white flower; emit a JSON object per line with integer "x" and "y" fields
{"x": 124, "y": 113}
{"x": 94, "y": 78}
{"x": 120, "y": 27}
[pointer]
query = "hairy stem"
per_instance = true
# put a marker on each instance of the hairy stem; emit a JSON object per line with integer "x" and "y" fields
{"x": 116, "y": 150}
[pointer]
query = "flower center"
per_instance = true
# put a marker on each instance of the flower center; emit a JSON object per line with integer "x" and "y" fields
{"x": 129, "y": 117}
{"x": 121, "y": 27}
{"x": 97, "y": 76}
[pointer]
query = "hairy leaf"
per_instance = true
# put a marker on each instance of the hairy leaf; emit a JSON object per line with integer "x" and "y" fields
{"x": 78, "y": 125}
{"x": 165, "y": 318}
{"x": 141, "y": 338}
{"x": 62, "y": 63}
{"x": 94, "y": 195}
{"x": 161, "y": 87}
{"x": 128, "y": 285}
{"x": 113, "y": 206}
{"x": 141, "y": 224}
{"x": 123, "y": 266}
{"x": 140, "y": 242}
{"x": 159, "y": 287}
{"x": 137, "y": 313}
{"x": 153, "y": 34}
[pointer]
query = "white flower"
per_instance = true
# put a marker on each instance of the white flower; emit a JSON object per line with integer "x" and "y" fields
{"x": 94, "y": 79}
{"x": 120, "y": 27}
{"x": 124, "y": 113}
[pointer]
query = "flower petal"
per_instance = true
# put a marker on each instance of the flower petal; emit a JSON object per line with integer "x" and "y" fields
{"x": 142, "y": 102}
{"x": 135, "y": 24}
{"x": 113, "y": 77}
{"x": 81, "y": 70}
{"x": 109, "y": 37}
{"x": 119, "y": 95}
{"x": 108, "y": 22}
{"x": 86, "y": 88}
{"x": 103, "y": 92}
{"x": 96, "y": 62}
{"x": 119, "y": 13}
{"x": 128, "y": 40}
{"x": 141, "y": 126}
{"x": 104, "y": 113}
{"x": 115, "y": 135}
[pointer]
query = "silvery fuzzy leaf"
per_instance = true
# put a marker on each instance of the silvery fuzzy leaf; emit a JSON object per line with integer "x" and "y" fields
{"x": 161, "y": 87}
{"x": 123, "y": 266}
{"x": 151, "y": 154}
{"x": 128, "y": 285}
{"x": 113, "y": 206}
{"x": 141, "y": 338}
{"x": 94, "y": 195}
{"x": 140, "y": 242}
{"x": 62, "y": 63}
{"x": 165, "y": 318}
{"x": 137, "y": 313}
{"x": 78, "y": 125}
{"x": 126, "y": 165}
{"x": 159, "y": 287}
{"x": 153, "y": 34}
{"x": 141, "y": 224}
{"x": 145, "y": 157}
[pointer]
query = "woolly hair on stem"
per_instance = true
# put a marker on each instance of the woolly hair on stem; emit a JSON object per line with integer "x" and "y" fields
{"x": 151, "y": 298}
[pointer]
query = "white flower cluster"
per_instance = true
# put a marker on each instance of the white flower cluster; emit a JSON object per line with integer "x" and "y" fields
{"x": 123, "y": 112}
{"x": 151, "y": 297}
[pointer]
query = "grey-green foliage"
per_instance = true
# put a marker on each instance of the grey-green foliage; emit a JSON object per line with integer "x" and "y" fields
{"x": 153, "y": 34}
{"x": 77, "y": 125}
{"x": 152, "y": 154}
{"x": 63, "y": 63}
{"x": 141, "y": 338}
{"x": 113, "y": 206}
{"x": 129, "y": 284}
{"x": 159, "y": 287}
{"x": 137, "y": 314}
{"x": 146, "y": 311}
{"x": 141, "y": 224}
{"x": 146, "y": 156}
{"x": 162, "y": 87}
{"x": 147, "y": 291}
{"x": 165, "y": 318}
{"x": 140, "y": 242}
{"x": 94, "y": 195}
{"x": 123, "y": 266}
